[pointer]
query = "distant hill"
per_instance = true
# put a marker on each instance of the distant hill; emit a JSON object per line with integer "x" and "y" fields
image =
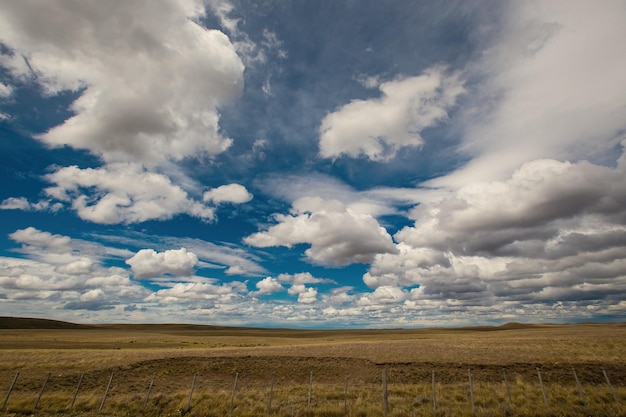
{"x": 45, "y": 324}
{"x": 31, "y": 323}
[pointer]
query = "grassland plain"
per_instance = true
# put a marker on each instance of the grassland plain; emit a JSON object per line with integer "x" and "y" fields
{"x": 215, "y": 371}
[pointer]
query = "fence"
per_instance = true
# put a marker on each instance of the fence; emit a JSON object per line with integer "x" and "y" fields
{"x": 394, "y": 391}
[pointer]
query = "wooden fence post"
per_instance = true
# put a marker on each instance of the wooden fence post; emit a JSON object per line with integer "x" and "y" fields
{"x": 471, "y": 389}
{"x": 6, "y": 399}
{"x": 145, "y": 403}
{"x": 345, "y": 397}
{"x": 232, "y": 397}
{"x": 508, "y": 389}
{"x": 310, "y": 389}
{"x": 434, "y": 393}
{"x": 269, "y": 406}
{"x": 385, "y": 394}
{"x": 106, "y": 392}
{"x": 606, "y": 377}
{"x": 543, "y": 391}
{"x": 193, "y": 384}
{"x": 80, "y": 381}
{"x": 43, "y": 387}
{"x": 581, "y": 393}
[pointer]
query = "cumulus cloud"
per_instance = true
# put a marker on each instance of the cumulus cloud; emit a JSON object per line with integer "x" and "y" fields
{"x": 148, "y": 263}
{"x": 130, "y": 66}
{"x": 45, "y": 241}
{"x": 95, "y": 299}
{"x": 307, "y": 296}
{"x": 533, "y": 225}
{"x": 60, "y": 272}
{"x": 122, "y": 193}
{"x": 337, "y": 235}
{"x": 378, "y": 128}
{"x": 132, "y": 63}
{"x": 207, "y": 293}
{"x": 235, "y": 259}
{"x": 296, "y": 282}
{"x": 534, "y": 205}
{"x": 552, "y": 232}
{"x": 268, "y": 285}
{"x": 383, "y": 295}
{"x": 231, "y": 193}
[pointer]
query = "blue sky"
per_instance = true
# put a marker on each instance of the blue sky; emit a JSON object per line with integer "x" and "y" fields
{"x": 313, "y": 164}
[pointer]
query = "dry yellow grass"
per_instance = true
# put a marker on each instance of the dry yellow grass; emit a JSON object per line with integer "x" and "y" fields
{"x": 174, "y": 353}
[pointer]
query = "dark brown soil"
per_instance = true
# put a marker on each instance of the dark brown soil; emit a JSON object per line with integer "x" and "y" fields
{"x": 176, "y": 374}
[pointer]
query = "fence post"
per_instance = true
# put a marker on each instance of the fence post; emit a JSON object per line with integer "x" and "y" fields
{"x": 269, "y": 406}
{"x": 610, "y": 387}
{"x": 80, "y": 381}
{"x": 385, "y": 394}
{"x": 543, "y": 391}
{"x": 232, "y": 397}
{"x": 345, "y": 397}
{"x": 145, "y": 403}
{"x": 310, "y": 389}
{"x": 193, "y": 384}
{"x": 471, "y": 388}
{"x": 6, "y": 399}
{"x": 580, "y": 389}
{"x": 434, "y": 393}
{"x": 508, "y": 389}
{"x": 106, "y": 392}
{"x": 43, "y": 387}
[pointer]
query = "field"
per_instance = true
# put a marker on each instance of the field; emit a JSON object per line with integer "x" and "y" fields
{"x": 174, "y": 370}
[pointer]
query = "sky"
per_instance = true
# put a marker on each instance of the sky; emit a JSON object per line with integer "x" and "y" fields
{"x": 313, "y": 164}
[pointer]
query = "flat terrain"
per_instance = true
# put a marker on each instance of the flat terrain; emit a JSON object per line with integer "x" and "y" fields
{"x": 174, "y": 353}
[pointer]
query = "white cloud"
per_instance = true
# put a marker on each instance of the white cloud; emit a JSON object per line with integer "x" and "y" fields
{"x": 552, "y": 232}
{"x": 237, "y": 260}
{"x": 150, "y": 81}
{"x": 268, "y": 285}
{"x": 206, "y": 292}
{"x": 297, "y": 289}
{"x": 81, "y": 266}
{"x": 303, "y": 278}
{"x": 308, "y": 296}
{"x": 337, "y": 235}
{"x": 553, "y": 87}
{"x": 122, "y": 193}
{"x": 63, "y": 273}
{"x": 520, "y": 231}
{"x": 21, "y": 203}
{"x": 249, "y": 51}
{"x": 43, "y": 241}
{"x": 5, "y": 90}
{"x": 532, "y": 205}
{"x": 231, "y": 193}
{"x": 15, "y": 203}
{"x": 378, "y": 128}
{"x": 376, "y": 202}
{"x": 133, "y": 62}
{"x": 37, "y": 244}
{"x": 148, "y": 263}
{"x": 383, "y": 295}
